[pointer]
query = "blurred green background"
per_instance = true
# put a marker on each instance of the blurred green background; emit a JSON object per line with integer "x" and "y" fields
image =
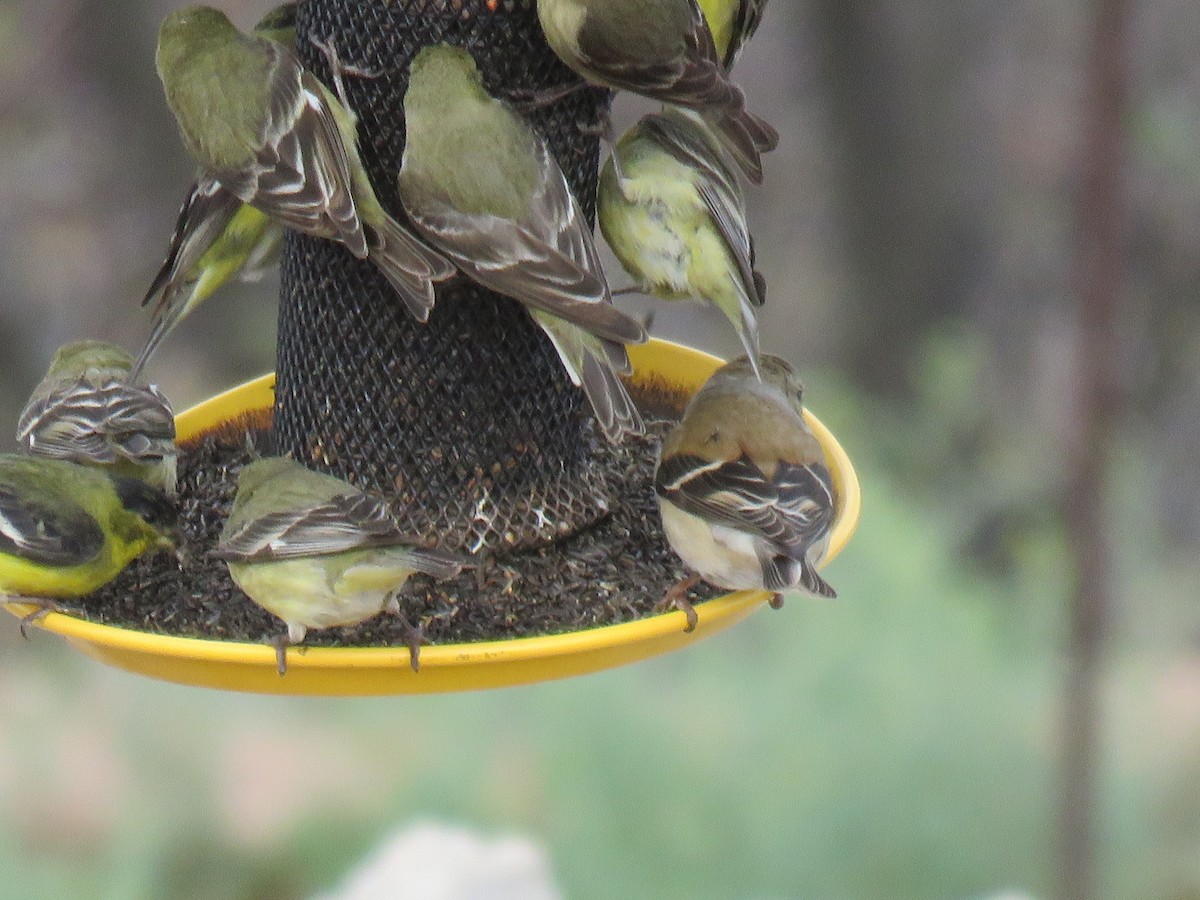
{"x": 917, "y": 231}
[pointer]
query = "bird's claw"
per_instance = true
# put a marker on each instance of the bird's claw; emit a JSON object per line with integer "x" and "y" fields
{"x": 44, "y": 608}
{"x": 676, "y": 599}
{"x": 337, "y": 68}
{"x": 414, "y": 637}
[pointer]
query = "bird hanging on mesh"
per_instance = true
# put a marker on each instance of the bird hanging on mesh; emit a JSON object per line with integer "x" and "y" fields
{"x": 479, "y": 184}
{"x": 661, "y": 49}
{"x": 269, "y": 132}
{"x": 676, "y": 219}
{"x": 217, "y": 237}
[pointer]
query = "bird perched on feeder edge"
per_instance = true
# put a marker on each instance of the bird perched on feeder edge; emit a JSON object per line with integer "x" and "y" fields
{"x": 66, "y": 529}
{"x": 90, "y": 409}
{"x": 744, "y": 489}
{"x": 266, "y": 130}
{"x": 317, "y": 552}
{"x": 217, "y": 237}
{"x": 676, "y": 219}
{"x": 661, "y": 49}
{"x": 479, "y": 184}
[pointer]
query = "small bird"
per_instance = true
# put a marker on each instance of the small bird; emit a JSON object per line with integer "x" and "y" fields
{"x": 267, "y": 131}
{"x": 89, "y": 409}
{"x": 216, "y": 237}
{"x": 732, "y": 23}
{"x": 317, "y": 552}
{"x": 676, "y": 219}
{"x": 746, "y": 497}
{"x": 66, "y": 530}
{"x": 480, "y": 185}
{"x": 661, "y": 49}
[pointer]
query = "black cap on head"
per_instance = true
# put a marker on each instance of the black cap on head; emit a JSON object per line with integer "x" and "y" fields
{"x": 148, "y": 502}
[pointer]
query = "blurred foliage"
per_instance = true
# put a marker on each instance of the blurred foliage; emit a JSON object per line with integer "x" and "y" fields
{"x": 897, "y": 743}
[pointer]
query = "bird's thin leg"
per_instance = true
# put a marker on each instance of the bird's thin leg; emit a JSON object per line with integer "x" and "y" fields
{"x": 337, "y": 68}
{"x": 44, "y": 606}
{"x": 414, "y": 635}
{"x": 483, "y": 568}
{"x": 281, "y": 643}
{"x": 528, "y": 100}
{"x": 676, "y": 598}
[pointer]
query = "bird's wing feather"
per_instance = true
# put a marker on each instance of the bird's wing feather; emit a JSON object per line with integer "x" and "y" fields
{"x": 100, "y": 423}
{"x": 749, "y": 17}
{"x": 695, "y": 77}
{"x": 788, "y": 512}
{"x": 47, "y": 533}
{"x": 562, "y": 278}
{"x": 301, "y": 175}
{"x": 345, "y": 522}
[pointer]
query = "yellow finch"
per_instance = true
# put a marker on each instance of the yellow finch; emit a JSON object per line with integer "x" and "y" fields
{"x": 88, "y": 409}
{"x": 676, "y": 219}
{"x": 216, "y": 237}
{"x": 661, "y": 49}
{"x": 481, "y": 186}
{"x": 743, "y": 485}
{"x": 317, "y": 552}
{"x": 267, "y": 131}
{"x": 66, "y": 530}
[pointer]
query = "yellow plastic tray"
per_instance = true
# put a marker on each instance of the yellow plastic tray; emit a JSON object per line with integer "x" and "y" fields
{"x": 367, "y": 671}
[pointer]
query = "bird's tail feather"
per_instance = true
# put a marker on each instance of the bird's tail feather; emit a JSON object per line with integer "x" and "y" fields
{"x": 593, "y": 364}
{"x": 814, "y": 583}
{"x": 437, "y": 563}
{"x": 409, "y": 266}
{"x": 746, "y": 137}
{"x": 744, "y": 321}
{"x": 614, "y": 408}
{"x": 169, "y": 314}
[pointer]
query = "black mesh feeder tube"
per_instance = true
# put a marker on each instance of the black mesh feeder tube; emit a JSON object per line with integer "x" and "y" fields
{"x": 468, "y": 421}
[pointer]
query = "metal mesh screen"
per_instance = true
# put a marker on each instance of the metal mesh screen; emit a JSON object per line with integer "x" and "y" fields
{"x": 469, "y": 421}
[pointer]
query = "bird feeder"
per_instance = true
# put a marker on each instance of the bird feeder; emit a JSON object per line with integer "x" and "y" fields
{"x": 471, "y": 408}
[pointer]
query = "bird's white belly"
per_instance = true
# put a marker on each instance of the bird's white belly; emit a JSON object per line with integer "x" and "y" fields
{"x": 720, "y": 555}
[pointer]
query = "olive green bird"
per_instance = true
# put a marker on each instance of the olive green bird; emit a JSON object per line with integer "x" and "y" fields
{"x": 217, "y": 237}
{"x": 66, "y": 530}
{"x": 480, "y": 185}
{"x": 676, "y": 219}
{"x": 732, "y": 23}
{"x": 744, "y": 486}
{"x": 317, "y": 552}
{"x": 267, "y": 131}
{"x": 89, "y": 409}
{"x": 661, "y": 49}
